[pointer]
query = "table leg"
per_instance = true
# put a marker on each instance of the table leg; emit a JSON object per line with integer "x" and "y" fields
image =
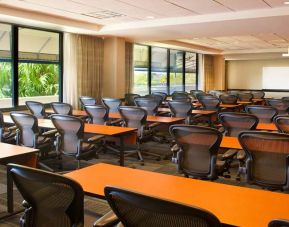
{"x": 10, "y": 198}
{"x": 121, "y": 151}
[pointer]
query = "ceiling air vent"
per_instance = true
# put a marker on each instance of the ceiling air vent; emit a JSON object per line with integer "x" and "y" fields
{"x": 103, "y": 14}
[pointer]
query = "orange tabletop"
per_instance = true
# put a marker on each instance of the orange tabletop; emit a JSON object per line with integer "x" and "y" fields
{"x": 267, "y": 126}
{"x": 230, "y": 105}
{"x": 74, "y": 112}
{"x": 160, "y": 119}
{"x": 238, "y": 206}
{"x": 204, "y": 112}
{"x": 230, "y": 142}
{"x": 244, "y": 102}
{"x": 9, "y": 150}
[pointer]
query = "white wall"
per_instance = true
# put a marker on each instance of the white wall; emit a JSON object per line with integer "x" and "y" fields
{"x": 247, "y": 74}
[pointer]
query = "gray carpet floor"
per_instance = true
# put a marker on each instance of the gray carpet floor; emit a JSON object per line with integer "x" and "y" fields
{"x": 94, "y": 208}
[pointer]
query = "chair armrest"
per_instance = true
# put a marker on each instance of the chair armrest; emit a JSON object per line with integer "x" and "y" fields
{"x": 12, "y": 128}
{"x": 153, "y": 125}
{"x": 241, "y": 155}
{"x": 117, "y": 121}
{"x": 49, "y": 133}
{"x": 108, "y": 219}
{"x": 229, "y": 154}
{"x": 95, "y": 138}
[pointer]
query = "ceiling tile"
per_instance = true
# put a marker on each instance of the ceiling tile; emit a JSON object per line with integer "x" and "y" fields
{"x": 238, "y": 5}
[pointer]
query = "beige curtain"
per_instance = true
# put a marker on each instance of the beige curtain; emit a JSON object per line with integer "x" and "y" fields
{"x": 83, "y": 67}
{"x": 208, "y": 72}
{"x": 128, "y": 67}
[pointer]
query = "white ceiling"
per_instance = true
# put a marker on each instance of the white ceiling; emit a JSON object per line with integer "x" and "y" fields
{"x": 229, "y": 25}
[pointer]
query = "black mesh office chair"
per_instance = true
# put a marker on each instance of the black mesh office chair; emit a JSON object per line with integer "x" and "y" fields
{"x": 246, "y": 97}
{"x": 258, "y": 94}
{"x": 86, "y": 100}
{"x": 62, "y": 108}
{"x": 157, "y": 98}
{"x": 29, "y": 135}
{"x": 234, "y": 123}
{"x": 265, "y": 114}
{"x": 199, "y": 149}
{"x": 71, "y": 140}
{"x": 282, "y": 123}
{"x": 36, "y": 108}
{"x": 282, "y": 106}
{"x": 195, "y": 93}
{"x": 7, "y": 134}
{"x": 112, "y": 104}
{"x": 149, "y": 104}
{"x": 267, "y": 159}
{"x": 49, "y": 199}
{"x": 180, "y": 95}
{"x": 181, "y": 109}
{"x": 98, "y": 114}
{"x": 162, "y": 94}
{"x": 209, "y": 102}
{"x": 278, "y": 223}
{"x": 135, "y": 117}
{"x": 135, "y": 209}
{"x": 129, "y": 99}
{"x": 228, "y": 99}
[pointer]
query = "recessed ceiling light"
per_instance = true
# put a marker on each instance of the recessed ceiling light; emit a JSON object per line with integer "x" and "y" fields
{"x": 150, "y": 17}
{"x": 286, "y": 2}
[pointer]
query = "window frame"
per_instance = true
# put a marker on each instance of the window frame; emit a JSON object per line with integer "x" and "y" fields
{"x": 168, "y": 71}
{"x": 15, "y": 61}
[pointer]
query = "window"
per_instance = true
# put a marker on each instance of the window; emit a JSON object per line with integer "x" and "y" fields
{"x": 38, "y": 67}
{"x": 159, "y": 69}
{"x": 5, "y": 66}
{"x": 38, "y": 64}
{"x": 176, "y": 71}
{"x": 141, "y": 69}
{"x": 191, "y": 71}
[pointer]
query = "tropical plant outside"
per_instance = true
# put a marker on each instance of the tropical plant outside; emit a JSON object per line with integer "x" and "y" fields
{"x": 35, "y": 79}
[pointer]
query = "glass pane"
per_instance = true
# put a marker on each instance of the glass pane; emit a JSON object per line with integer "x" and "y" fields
{"x": 191, "y": 76}
{"x": 5, "y": 66}
{"x": 159, "y": 82}
{"x": 159, "y": 70}
{"x": 140, "y": 70}
{"x": 176, "y": 71}
{"x": 190, "y": 81}
{"x": 38, "y": 68}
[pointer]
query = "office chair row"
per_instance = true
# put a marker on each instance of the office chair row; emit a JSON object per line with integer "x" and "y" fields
{"x": 54, "y": 200}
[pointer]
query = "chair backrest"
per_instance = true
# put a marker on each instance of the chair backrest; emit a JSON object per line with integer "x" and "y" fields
{"x": 179, "y": 95}
{"x": 243, "y": 96}
{"x": 54, "y": 200}
{"x": 134, "y": 117}
{"x": 158, "y": 98}
{"x": 134, "y": 209}
{"x": 129, "y": 99}
{"x": 209, "y": 102}
{"x": 36, "y": 108}
{"x": 194, "y": 93}
{"x": 258, "y": 94}
{"x": 266, "y": 158}
{"x": 282, "y": 106}
{"x": 234, "y": 123}
{"x": 62, "y": 108}
{"x": 264, "y": 113}
{"x": 199, "y": 149}
{"x": 228, "y": 99}
{"x": 71, "y": 130}
{"x": 149, "y": 104}
{"x": 97, "y": 113}
{"x": 282, "y": 123}
{"x": 285, "y": 98}
{"x": 87, "y": 100}
{"x": 181, "y": 109}
{"x": 278, "y": 223}
{"x": 27, "y": 124}
{"x": 164, "y": 95}
{"x": 112, "y": 104}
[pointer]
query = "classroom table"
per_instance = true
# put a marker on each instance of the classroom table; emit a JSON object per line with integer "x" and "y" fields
{"x": 203, "y": 112}
{"x": 230, "y": 142}
{"x": 266, "y": 126}
{"x": 16, "y": 154}
{"x": 233, "y": 205}
{"x": 150, "y": 118}
{"x": 125, "y": 135}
